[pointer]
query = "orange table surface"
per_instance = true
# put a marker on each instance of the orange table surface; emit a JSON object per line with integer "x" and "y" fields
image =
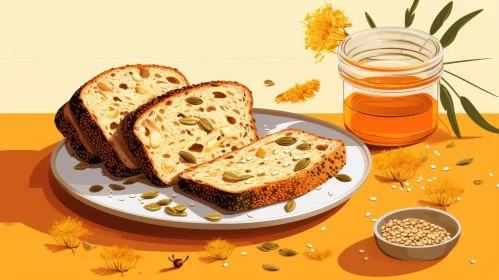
{"x": 31, "y": 201}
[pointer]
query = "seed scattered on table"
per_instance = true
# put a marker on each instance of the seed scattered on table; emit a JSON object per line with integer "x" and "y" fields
{"x": 433, "y": 166}
{"x": 244, "y": 253}
{"x": 394, "y": 187}
{"x": 473, "y": 261}
{"x": 420, "y": 178}
{"x": 372, "y": 198}
{"x": 361, "y": 251}
{"x": 430, "y": 180}
{"x": 446, "y": 168}
{"x": 497, "y": 186}
{"x": 310, "y": 246}
{"x": 438, "y": 154}
{"x": 226, "y": 264}
{"x": 368, "y": 214}
{"x": 323, "y": 228}
{"x": 427, "y": 146}
{"x": 422, "y": 187}
{"x": 490, "y": 174}
{"x": 458, "y": 198}
{"x": 414, "y": 232}
{"x": 406, "y": 183}
{"x": 374, "y": 220}
{"x": 409, "y": 189}
{"x": 366, "y": 258}
{"x": 401, "y": 189}
{"x": 435, "y": 178}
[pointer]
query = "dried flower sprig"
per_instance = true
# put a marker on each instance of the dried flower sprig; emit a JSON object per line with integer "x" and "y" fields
{"x": 398, "y": 164}
{"x": 219, "y": 249}
{"x": 120, "y": 258}
{"x": 443, "y": 192}
{"x": 325, "y": 29}
{"x": 446, "y": 40}
{"x": 299, "y": 93}
{"x": 69, "y": 232}
{"x": 318, "y": 255}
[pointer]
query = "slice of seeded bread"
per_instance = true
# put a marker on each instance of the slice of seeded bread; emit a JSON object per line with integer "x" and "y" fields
{"x": 189, "y": 126}
{"x": 101, "y": 104}
{"x": 66, "y": 124}
{"x": 278, "y": 167}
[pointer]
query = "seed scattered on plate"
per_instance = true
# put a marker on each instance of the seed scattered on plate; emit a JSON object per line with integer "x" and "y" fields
{"x": 226, "y": 264}
{"x": 142, "y": 202}
{"x": 310, "y": 246}
{"x": 330, "y": 193}
{"x": 406, "y": 183}
{"x": 264, "y": 125}
{"x": 366, "y": 258}
{"x": 433, "y": 166}
{"x": 368, "y": 214}
{"x": 140, "y": 198}
{"x": 192, "y": 204}
{"x": 361, "y": 251}
{"x": 275, "y": 173}
{"x": 374, "y": 220}
{"x": 409, "y": 189}
{"x": 244, "y": 253}
{"x": 446, "y": 168}
{"x": 110, "y": 196}
{"x": 372, "y": 198}
{"x": 394, "y": 187}
{"x": 132, "y": 195}
{"x": 267, "y": 129}
{"x": 174, "y": 195}
{"x": 323, "y": 228}
{"x": 473, "y": 261}
{"x": 318, "y": 188}
{"x": 490, "y": 174}
{"x": 121, "y": 199}
{"x": 249, "y": 215}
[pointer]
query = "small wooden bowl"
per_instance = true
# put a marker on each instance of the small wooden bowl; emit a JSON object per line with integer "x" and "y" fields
{"x": 419, "y": 253}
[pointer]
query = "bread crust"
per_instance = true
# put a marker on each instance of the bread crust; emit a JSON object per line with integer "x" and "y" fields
{"x": 136, "y": 146}
{"x": 270, "y": 193}
{"x": 69, "y": 132}
{"x": 90, "y": 127}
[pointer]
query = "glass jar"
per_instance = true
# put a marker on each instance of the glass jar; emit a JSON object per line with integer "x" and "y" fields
{"x": 390, "y": 84}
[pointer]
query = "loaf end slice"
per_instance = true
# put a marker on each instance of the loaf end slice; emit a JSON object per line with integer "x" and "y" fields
{"x": 79, "y": 143}
{"x": 101, "y": 104}
{"x": 203, "y": 121}
{"x": 273, "y": 170}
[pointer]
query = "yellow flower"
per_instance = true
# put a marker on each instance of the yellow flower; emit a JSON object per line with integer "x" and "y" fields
{"x": 398, "y": 164}
{"x": 318, "y": 255}
{"x": 120, "y": 259}
{"x": 219, "y": 249}
{"x": 325, "y": 29}
{"x": 69, "y": 232}
{"x": 299, "y": 93}
{"x": 443, "y": 192}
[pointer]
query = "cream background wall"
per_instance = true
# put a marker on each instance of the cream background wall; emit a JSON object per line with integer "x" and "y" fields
{"x": 49, "y": 48}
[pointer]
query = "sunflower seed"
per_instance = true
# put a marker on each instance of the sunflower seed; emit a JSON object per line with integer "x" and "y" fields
{"x": 478, "y": 182}
{"x": 164, "y": 202}
{"x": 95, "y": 188}
{"x": 180, "y": 208}
{"x": 81, "y": 166}
{"x": 87, "y": 245}
{"x": 451, "y": 144}
{"x": 214, "y": 217}
{"x": 270, "y": 267}
{"x": 290, "y": 206}
{"x": 464, "y": 161}
{"x": 194, "y": 100}
{"x": 116, "y": 187}
{"x": 152, "y": 207}
{"x": 286, "y": 141}
{"x": 188, "y": 121}
{"x": 304, "y": 146}
{"x": 302, "y": 164}
{"x": 187, "y": 157}
{"x": 270, "y": 245}
{"x": 268, "y": 83}
{"x": 233, "y": 177}
{"x": 131, "y": 180}
{"x": 206, "y": 124}
{"x": 287, "y": 252}
{"x": 173, "y": 212}
{"x": 150, "y": 194}
{"x": 259, "y": 247}
{"x": 343, "y": 178}
{"x": 424, "y": 158}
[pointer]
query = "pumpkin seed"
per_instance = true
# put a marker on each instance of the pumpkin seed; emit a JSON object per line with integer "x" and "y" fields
{"x": 270, "y": 245}
{"x": 180, "y": 208}
{"x": 150, "y": 194}
{"x": 286, "y": 141}
{"x": 343, "y": 178}
{"x": 451, "y": 144}
{"x": 152, "y": 207}
{"x": 304, "y": 146}
{"x": 268, "y": 83}
{"x": 130, "y": 181}
{"x": 259, "y": 247}
{"x": 188, "y": 121}
{"x": 95, "y": 188}
{"x": 302, "y": 164}
{"x": 464, "y": 161}
{"x": 194, "y": 100}
{"x": 214, "y": 217}
{"x": 87, "y": 245}
{"x": 116, "y": 187}
{"x": 270, "y": 267}
{"x": 424, "y": 158}
{"x": 478, "y": 182}
{"x": 233, "y": 177}
{"x": 287, "y": 252}
{"x": 290, "y": 206}
{"x": 206, "y": 124}
{"x": 173, "y": 212}
{"x": 188, "y": 157}
{"x": 164, "y": 202}
{"x": 81, "y": 166}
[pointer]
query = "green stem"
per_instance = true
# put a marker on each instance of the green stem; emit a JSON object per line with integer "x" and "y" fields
{"x": 464, "y": 80}
{"x": 445, "y": 81}
{"x": 466, "y": 60}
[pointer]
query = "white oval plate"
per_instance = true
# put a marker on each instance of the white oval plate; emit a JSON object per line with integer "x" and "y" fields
{"x": 77, "y": 182}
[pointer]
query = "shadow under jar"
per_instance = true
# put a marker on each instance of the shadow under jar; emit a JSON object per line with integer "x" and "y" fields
{"x": 390, "y": 85}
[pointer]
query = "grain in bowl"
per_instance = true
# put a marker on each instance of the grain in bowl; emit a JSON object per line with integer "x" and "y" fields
{"x": 414, "y": 232}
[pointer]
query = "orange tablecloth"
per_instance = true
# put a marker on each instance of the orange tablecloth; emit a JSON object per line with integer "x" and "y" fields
{"x": 31, "y": 201}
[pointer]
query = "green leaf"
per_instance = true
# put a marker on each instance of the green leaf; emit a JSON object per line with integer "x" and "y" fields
{"x": 451, "y": 33}
{"x": 441, "y": 18}
{"x": 370, "y": 20}
{"x": 475, "y": 115}
{"x": 463, "y": 79}
{"x": 446, "y": 100}
{"x": 414, "y": 6}
{"x": 466, "y": 60}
